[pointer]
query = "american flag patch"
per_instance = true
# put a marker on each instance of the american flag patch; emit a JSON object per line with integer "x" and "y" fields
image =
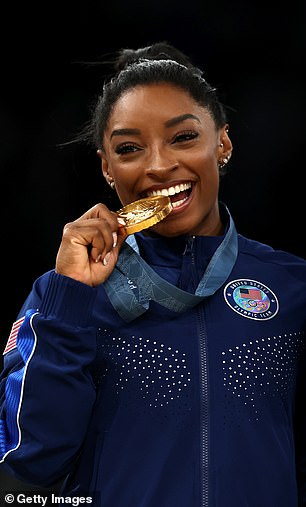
{"x": 11, "y": 342}
{"x": 251, "y": 294}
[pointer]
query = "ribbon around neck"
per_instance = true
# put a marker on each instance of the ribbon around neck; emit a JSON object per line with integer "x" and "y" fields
{"x": 133, "y": 283}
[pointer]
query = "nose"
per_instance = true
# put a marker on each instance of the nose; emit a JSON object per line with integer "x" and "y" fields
{"x": 160, "y": 162}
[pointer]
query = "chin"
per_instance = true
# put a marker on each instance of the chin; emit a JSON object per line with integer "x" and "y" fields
{"x": 171, "y": 230}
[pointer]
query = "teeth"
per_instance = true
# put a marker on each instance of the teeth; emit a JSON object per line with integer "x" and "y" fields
{"x": 170, "y": 190}
{"x": 178, "y": 203}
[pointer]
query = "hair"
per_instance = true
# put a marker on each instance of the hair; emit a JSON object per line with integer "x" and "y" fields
{"x": 158, "y": 63}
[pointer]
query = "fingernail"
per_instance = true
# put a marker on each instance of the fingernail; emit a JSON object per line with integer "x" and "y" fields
{"x": 98, "y": 258}
{"x": 114, "y": 239}
{"x": 106, "y": 259}
{"x": 121, "y": 221}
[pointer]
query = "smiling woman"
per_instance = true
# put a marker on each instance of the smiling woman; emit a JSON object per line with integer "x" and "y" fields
{"x": 164, "y": 366}
{"x": 158, "y": 137}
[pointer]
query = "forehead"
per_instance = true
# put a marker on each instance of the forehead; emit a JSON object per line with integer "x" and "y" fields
{"x": 159, "y": 101}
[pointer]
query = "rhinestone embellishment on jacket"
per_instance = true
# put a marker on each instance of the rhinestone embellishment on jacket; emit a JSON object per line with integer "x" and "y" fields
{"x": 160, "y": 371}
{"x": 261, "y": 367}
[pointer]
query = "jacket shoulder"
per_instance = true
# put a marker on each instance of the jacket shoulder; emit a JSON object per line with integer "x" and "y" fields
{"x": 265, "y": 253}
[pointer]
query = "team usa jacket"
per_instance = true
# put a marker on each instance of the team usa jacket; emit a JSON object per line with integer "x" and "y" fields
{"x": 180, "y": 382}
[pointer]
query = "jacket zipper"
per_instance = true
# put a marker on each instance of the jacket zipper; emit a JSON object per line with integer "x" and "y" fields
{"x": 203, "y": 389}
{"x": 204, "y": 406}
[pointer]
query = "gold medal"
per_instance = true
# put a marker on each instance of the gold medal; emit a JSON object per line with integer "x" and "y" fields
{"x": 145, "y": 212}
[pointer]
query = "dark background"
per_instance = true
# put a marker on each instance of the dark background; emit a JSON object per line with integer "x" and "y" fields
{"x": 253, "y": 52}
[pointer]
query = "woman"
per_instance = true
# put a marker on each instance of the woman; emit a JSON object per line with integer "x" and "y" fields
{"x": 162, "y": 368}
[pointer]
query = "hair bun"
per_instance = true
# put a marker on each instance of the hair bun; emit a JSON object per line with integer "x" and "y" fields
{"x": 157, "y": 51}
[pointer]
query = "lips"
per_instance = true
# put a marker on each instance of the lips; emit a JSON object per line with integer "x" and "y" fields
{"x": 178, "y": 193}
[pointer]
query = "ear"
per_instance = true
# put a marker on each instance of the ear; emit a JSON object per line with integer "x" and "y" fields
{"x": 225, "y": 149}
{"x": 105, "y": 167}
{"x": 225, "y": 144}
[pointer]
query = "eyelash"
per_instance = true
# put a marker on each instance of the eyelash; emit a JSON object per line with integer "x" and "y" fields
{"x": 129, "y": 147}
{"x": 187, "y": 135}
{"x": 122, "y": 149}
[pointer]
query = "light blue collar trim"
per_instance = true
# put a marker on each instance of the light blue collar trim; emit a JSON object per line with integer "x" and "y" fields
{"x": 133, "y": 283}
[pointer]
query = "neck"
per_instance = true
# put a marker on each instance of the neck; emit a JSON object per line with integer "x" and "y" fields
{"x": 212, "y": 225}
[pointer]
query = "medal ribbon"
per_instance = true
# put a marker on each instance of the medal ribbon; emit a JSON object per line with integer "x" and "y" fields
{"x": 133, "y": 283}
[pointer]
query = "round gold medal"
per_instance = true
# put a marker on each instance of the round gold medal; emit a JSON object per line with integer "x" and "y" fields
{"x": 145, "y": 212}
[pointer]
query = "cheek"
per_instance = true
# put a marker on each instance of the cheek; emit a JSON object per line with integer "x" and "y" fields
{"x": 128, "y": 179}
{"x": 125, "y": 183}
{"x": 123, "y": 174}
{"x": 212, "y": 176}
{"x": 207, "y": 169}
{"x": 123, "y": 194}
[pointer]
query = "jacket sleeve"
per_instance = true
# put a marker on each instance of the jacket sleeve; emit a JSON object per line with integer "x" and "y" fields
{"x": 46, "y": 389}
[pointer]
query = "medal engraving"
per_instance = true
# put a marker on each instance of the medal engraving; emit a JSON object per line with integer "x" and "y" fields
{"x": 145, "y": 212}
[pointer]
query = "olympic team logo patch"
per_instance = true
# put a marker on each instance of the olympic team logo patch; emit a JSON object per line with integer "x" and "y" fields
{"x": 251, "y": 299}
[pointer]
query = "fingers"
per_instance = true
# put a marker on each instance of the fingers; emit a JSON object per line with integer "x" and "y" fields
{"x": 103, "y": 243}
{"x": 90, "y": 246}
{"x": 98, "y": 211}
{"x": 103, "y": 227}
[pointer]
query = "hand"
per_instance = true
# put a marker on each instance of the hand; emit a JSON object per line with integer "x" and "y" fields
{"x": 90, "y": 246}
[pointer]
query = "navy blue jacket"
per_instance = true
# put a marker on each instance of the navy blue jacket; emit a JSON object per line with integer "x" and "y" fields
{"x": 199, "y": 406}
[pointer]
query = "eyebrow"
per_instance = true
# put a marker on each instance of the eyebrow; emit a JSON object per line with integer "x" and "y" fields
{"x": 179, "y": 119}
{"x": 168, "y": 123}
{"x": 125, "y": 132}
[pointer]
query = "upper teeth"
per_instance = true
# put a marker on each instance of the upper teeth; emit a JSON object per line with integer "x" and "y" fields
{"x": 171, "y": 190}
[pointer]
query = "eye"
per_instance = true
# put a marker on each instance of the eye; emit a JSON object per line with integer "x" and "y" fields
{"x": 187, "y": 135}
{"x": 121, "y": 149}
